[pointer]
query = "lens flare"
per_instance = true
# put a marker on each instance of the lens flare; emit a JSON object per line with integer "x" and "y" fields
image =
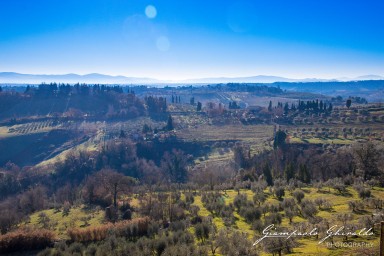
{"x": 150, "y": 11}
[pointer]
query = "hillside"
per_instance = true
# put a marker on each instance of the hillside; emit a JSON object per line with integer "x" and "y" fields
{"x": 98, "y": 169}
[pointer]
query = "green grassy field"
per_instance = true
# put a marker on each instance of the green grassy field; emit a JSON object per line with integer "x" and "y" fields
{"x": 59, "y": 222}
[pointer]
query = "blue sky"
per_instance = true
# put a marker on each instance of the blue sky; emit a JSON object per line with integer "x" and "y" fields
{"x": 192, "y": 39}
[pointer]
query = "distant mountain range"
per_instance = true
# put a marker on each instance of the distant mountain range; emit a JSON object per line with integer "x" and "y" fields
{"x": 17, "y": 78}
{"x": 94, "y": 78}
{"x": 251, "y": 79}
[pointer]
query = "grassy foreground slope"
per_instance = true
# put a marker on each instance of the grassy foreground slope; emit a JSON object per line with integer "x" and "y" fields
{"x": 307, "y": 246}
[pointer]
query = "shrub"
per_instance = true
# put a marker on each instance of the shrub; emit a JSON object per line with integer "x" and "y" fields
{"x": 289, "y": 213}
{"x": 177, "y": 226}
{"x": 279, "y": 192}
{"x": 288, "y": 203}
{"x": 338, "y": 184}
{"x": 365, "y": 193}
{"x": 189, "y": 198}
{"x": 258, "y": 226}
{"x": 362, "y": 191}
{"x": 91, "y": 250}
{"x": 320, "y": 202}
{"x": 278, "y": 245}
{"x": 202, "y": 231}
{"x": 235, "y": 243}
{"x": 308, "y": 209}
{"x": 298, "y": 195}
{"x": 131, "y": 229}
{"x": 9, "y": 215}
{"x": 240, "y": 199}
{"x": 25, "y": 240}
{"x": 259, "y": 198}
{"x": 250, "y": 213}
{"x": 76, "y": 248}
{"x": 356, "y": 206}
{"x": 273, "y": 218}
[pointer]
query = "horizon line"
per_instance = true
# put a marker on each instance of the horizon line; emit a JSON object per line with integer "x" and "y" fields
{"x": 189, "y": 80}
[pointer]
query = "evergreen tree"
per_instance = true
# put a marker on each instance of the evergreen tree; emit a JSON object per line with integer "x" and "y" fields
{"x": 122, "y": 134}
{"x": 169, "y": 126}
{"x": 199, "y": 106}
{"x": 233, "y": 105}
{"x": 164, "y": 104}
{"x": 268, "y": 174}
{"x": 146, "y": 128}
{"x": 279, "y": 139}
{"x": 304, "y": 174}
{"x": 286, "y": 108}
{"x": 289, "y": 171}
{"x": 270, "y": 106}
{"x": 348, "y": 103}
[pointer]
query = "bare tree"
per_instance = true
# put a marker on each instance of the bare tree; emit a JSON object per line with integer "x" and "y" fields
{"x": 114, "y": 182}
{"x": 174, "y": 165}
{"x": 367, "y": 156}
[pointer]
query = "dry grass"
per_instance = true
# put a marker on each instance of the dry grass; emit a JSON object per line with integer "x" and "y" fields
{"x": 26, "y": 239}
{"x": 129, "y": 229}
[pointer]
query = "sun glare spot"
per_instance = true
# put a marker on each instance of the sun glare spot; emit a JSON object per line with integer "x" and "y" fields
{"x": 150, "y": 11}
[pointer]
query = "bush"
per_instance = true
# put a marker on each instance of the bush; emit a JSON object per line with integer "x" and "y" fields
{"x": 308, "y": 209}
{"x": 356, "y": 206}
{"x": 278, "y": 245}
{"x": 76, "y": 248}
{"x": 259, "y": 198}
{"x": 25, "y": 240}
{"x": 288, "y": 203}
{"x": 91, "y": 250}
{"x": 365, "y": 193}
{"x": 250, "y": 213}
{"x": 298, "y": 195}
{"x": 177, "y": 226}
{"x": 131, "y": 229}
{"x": 273, "y": 218}
{"x": 362, "y": 191}
{"x": 202, "y": 231}
{"x": 235, "y": 243}
{"x": 338, "y": 184}
{"x": 9, "y": 215}
{"x": 189, "y": 198}
{"x": 280, "y": 193}
{"x": 240, "y": 199}
{"x": 184, "y": 250}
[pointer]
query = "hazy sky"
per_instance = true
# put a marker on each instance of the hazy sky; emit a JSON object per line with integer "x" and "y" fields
{"x": 191, "y": 38}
